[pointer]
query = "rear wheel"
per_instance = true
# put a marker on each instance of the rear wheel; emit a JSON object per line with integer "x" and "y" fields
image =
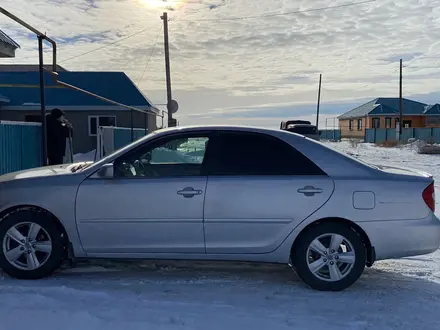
{"x": 31, "y": 245}
{"x": 329, "y": 256}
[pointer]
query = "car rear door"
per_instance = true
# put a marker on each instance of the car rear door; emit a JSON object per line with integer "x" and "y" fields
{"x": 259, "y": 189}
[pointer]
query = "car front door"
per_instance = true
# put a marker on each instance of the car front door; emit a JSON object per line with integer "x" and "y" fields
{"x": 259, "y": 189}
{"x": 154, "y": 202}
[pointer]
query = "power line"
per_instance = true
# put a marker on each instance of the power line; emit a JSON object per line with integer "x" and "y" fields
{"x": 277, "y": 14}
{"x": 151, "y": 55}
{"x": 107, "y": 45}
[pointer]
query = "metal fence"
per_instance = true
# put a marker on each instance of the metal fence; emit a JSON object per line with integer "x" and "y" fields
{"x": 330, "y": 134}
{"x": 380, "y": 135}
{"x": 20, "y": 146}
{"x": 111, "y": 138}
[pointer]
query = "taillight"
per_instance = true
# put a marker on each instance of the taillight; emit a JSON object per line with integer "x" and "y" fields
{"x": 429, "y": 196}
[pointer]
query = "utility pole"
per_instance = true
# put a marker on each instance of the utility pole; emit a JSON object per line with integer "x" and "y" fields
{"x": 319, "y": 101}
{"x": 400, "y": 103}
{"x": 164, "y": 17}
{"x": 42, "y": 101}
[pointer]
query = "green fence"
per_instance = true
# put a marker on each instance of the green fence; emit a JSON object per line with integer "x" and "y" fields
{"x": 330, "y": 134}
{"x": 380, "y": 135}
{"x": 123, "y": 136}
{"x": 111, "y": 138}
{"x": 20, "y": 146}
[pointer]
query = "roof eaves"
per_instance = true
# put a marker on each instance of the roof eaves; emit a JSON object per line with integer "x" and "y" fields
{"x": 154, "y": 109}
{"x": 5, "y": 38}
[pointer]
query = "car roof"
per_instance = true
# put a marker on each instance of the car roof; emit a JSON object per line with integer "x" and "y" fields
{"x": 239, "y": 128}
{"x": 334, "y": 163}
{"x": 219, "y": 127}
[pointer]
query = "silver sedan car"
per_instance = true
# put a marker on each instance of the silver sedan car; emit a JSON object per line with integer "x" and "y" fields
{"x": 219, "y": 193}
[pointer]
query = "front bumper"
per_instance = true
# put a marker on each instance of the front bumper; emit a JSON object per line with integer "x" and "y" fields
{"x": 403, "y": 238}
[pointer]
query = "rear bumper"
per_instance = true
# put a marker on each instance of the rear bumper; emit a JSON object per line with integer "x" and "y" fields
{"x": 404, "y": 238}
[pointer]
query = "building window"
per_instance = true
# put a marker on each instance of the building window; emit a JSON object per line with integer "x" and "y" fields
{"x": 350, "y": 125}
{"x": 433, "y": 120}
{"x": 359, "y": 125}
{"x": 407, "y": 124}
{"x": 376, "y": 122}
{"x": 387, "y": 122}
{"x": 32, "y": 118}
{"x": 96, "y": 121}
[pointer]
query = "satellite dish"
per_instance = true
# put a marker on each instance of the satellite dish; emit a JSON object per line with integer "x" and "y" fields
{"x": 173, "y": 106}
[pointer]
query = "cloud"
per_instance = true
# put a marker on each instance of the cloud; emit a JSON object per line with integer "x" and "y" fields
{"x": 325, "y": 121}
{"x": 245, "y": 62}
{"x": 404, "y": 57}
{"x": 284, "y": 110}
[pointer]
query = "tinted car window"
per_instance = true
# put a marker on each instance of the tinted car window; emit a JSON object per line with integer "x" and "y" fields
{"x": 259, "y": 154}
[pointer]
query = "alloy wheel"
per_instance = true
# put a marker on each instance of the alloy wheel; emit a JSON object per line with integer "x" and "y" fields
{"x": 330, "y": 257}
{"x": 27, "y": 246}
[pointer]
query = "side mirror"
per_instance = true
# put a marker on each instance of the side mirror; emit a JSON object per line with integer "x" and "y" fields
{"x": 105, "y": 172}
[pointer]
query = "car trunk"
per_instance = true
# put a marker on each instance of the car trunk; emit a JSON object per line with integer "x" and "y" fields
{"x": 403, "y": 171}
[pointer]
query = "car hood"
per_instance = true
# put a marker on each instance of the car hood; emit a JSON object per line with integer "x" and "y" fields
{"x": 46, "y": 171}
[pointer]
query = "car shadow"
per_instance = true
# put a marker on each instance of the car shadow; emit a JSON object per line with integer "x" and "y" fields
{"x": 373, "y": 279}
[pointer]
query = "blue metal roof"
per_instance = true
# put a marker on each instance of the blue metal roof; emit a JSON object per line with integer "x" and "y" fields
{"x": 432, "y": 109}
{"x": 380, "y": 109}
{"x": 386, "y": 106}
{"x": 6, "y": 39}
{"x": 360, "y": 111}
{"x": 23, "y": 88}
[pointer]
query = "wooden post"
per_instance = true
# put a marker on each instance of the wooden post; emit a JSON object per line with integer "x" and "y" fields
{"x": 400, "y": 102}
{"x": 42, "y": 102}
{"x": 319, "y": 101}
{"x": 164, "y": 17}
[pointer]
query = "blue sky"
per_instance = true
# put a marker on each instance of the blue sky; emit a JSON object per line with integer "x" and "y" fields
{"x": 255, "y": 71}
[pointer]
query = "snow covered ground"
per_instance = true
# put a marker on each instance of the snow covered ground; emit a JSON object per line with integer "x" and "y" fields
{"x": 397, "y": 294}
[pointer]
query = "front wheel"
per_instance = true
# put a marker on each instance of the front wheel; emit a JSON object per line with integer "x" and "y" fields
{"x": 329, "y": 256}
{"x": 31, "y": 245}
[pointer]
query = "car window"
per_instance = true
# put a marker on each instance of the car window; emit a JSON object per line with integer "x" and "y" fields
{"x": 180, "y": 151}
{"x": 242, "y": 153}
{"x": 180, "y": 156}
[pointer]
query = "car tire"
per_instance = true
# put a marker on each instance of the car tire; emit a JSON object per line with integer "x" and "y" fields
{"x": 323, "y": 266}
{"x": 32, "y": 244}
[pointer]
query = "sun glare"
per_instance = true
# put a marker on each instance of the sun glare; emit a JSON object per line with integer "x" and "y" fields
{"x": 163, "y": 3}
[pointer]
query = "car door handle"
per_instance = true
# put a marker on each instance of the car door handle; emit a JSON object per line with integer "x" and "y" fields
{"x": 309, "y": 191}
{"x": 189, "y": 192}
